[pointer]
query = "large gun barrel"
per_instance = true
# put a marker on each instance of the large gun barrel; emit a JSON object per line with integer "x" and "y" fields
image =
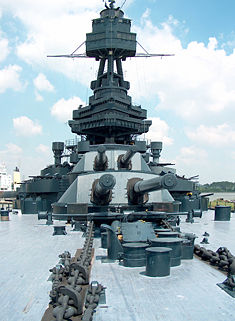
{"x": 137, "y": 189}
{"x": 101, "y": 160}
{"x": 102, "y": 189}
{"x": 124, "y": 159}
{"x": 206, "y": 195}
{"x": 167, "y": 181}
{"x": 104, "y": 185}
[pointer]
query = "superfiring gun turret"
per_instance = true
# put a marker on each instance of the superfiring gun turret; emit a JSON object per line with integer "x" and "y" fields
{"x": 138, "y": 189}
{"x": 102, "y": 189}
{"x": 124, "y": 160}
{"x": 101, "y": 160}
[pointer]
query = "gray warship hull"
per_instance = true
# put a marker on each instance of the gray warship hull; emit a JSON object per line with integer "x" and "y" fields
{"x": 28, "y": 250}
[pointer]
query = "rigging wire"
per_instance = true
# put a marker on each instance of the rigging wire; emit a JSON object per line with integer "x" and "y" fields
{"x": 123, "y": 4}
{"x": 78, "y": 47}
{"x": 142, "y": 48}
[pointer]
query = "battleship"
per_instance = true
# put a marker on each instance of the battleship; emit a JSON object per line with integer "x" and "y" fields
{"x": 115, "y": 226}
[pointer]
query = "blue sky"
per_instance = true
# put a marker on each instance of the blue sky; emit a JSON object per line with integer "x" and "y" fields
{"x": 190, "y": 97}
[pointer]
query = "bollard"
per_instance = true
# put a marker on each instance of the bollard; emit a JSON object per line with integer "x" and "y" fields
{"x": 134, "y": 254}
{"x": 222, "y": 213}
{"x": 172, "y": 242}
{"x": 158, "y": 261}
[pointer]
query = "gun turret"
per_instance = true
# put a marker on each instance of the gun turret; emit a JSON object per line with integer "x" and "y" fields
{"x": 137, "y": 188}
{"x": 102, "y": 189}
{"x": 101, "y": 160}
{"x": 124, "y": 160}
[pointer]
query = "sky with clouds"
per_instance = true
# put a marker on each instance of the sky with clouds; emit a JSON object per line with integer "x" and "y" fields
{"x": 190, "y": 97}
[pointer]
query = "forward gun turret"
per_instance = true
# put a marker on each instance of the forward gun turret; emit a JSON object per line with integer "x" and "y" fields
{"x": 137, "y": 188}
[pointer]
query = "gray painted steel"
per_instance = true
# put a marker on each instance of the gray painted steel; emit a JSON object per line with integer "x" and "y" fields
{"x": 104, "y": 237}
{"x": 137, "y": 231}
{"x": 168, "y": 234}
{"x": 222, "y": 213}
{"x": 158, "y": 261}
{"x": 134, "y": 254}
{"x": 156, "y": 230}
{"x": 187, "y": 248}
{"x": 189, "y": 293}
{"x": 28, "y": 251}
{"x": 173, "y": 243}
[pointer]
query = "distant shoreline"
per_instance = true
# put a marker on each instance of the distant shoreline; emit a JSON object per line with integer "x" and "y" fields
{"x": 226, "y": 192}
{"x": 225, "y": 195}
{"x": 218, "y": 187}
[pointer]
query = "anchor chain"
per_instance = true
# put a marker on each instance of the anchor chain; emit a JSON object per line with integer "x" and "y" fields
{"x": 223, "y": 259}
{"x": 69, "y": 282}
{"x": 92, "y": 299}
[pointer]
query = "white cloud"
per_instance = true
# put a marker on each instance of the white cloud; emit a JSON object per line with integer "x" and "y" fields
{"x": 218, "y": 135}
{"x": 4, "y": 49}
{"x": 62, "y": 109}
{"x": 41, "y": 83}
{"x": 11, "y": 149}
{"x": 38, "y": 96}
{"x": 10, "y": 78}
{"x": 158, "y": 131}
{"x": 42, "y": 149}
{"x": 53, "y": 29}
{"x": 192, "y": 161}
{"x": 199, "y": 77}
{"x": 190, "y": 155}
{"x": 233, "y": 155}
{"x": 196, "y": 83}
{"x": 24, "y": 126}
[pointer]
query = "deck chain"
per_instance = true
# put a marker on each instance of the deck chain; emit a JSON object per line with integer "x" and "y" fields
{"x": 223, "y": 259}
{"x": 69, "y": 278}
{"x": 92, "y": 299}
